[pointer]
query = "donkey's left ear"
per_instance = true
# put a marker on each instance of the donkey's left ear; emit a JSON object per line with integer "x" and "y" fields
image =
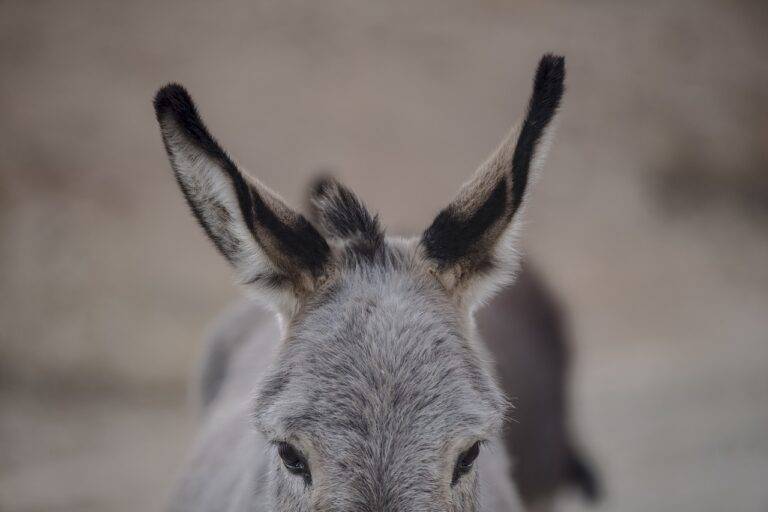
{"x": 471, "y": 244}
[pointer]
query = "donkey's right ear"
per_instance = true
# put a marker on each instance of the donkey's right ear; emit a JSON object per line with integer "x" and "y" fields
{"x": 271, "y": 246}
{"x": 471, "y": 244}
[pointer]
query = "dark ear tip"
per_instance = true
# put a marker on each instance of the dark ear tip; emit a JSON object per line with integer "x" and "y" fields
{"x": 173, "y": 99}
{"x": 552, "y": 65}
{"x": 550, "y": 73}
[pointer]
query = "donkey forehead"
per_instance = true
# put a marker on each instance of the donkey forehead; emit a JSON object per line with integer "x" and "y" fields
{"x": 382, "y": 358}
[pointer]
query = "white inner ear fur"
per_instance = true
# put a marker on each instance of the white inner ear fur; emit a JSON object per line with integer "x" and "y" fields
{"x": 208, "y": 185}
{"x": 507, "y": 252}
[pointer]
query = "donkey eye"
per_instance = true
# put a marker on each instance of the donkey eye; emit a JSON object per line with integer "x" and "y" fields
{"x": 465, "y": 462}
{"x": 293, "y": 460}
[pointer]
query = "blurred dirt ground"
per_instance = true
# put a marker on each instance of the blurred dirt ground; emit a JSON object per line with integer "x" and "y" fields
{"x": 650, "y": 219}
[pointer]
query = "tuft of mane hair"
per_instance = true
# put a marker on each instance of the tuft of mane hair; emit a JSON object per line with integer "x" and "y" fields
{"x": 341, "y": 215}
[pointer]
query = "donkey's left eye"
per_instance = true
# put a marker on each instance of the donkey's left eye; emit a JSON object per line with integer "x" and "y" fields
{"x": 465, "y": 462}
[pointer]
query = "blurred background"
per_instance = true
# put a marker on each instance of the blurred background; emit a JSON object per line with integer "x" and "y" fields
{"x": 650, "y": 220}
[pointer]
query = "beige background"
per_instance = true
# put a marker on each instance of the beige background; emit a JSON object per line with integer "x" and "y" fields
{"x": 650, "y": 219}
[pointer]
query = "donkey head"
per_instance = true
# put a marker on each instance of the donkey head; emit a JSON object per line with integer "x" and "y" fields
{"x": 379, "y": 398}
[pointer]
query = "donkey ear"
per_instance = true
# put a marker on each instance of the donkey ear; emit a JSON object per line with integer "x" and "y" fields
{"x": 471, "y": 243}
{"x": 270, "y": 245}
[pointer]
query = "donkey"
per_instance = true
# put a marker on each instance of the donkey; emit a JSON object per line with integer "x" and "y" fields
{"x": 373, "y": 391}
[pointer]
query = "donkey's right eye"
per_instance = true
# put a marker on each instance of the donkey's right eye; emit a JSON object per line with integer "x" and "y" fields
{"x": 293, "y": 460}
{"x": 465, "y": 462}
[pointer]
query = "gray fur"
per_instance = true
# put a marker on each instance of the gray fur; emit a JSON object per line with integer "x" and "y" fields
{"x": 382, "y": 422}
{"x": 523, "y": 328}
{"x": 376, "y": 376}
{"x": 231, "y": 331}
